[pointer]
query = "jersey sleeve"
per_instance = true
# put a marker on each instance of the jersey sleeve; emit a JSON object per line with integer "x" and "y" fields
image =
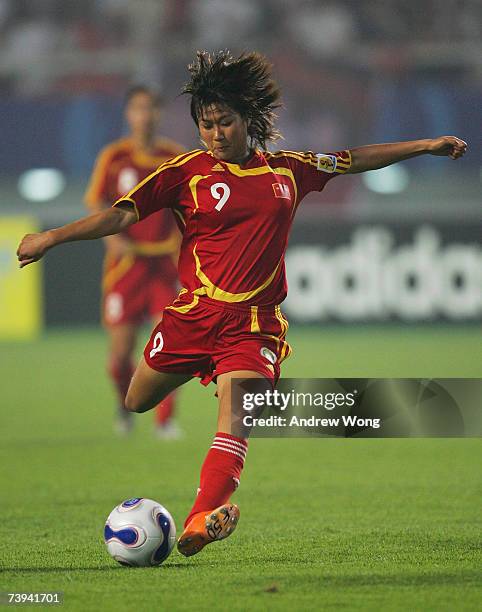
{"x": 313, "y": 170}
{"x": 97, "y": 190}
{"x": 159, "y": 190}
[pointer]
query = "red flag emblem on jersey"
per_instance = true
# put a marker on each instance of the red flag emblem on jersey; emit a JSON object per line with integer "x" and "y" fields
{"x": 281, "y": 190}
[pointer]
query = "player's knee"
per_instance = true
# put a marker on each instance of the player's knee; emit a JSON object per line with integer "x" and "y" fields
{"x": 133, "y": 402}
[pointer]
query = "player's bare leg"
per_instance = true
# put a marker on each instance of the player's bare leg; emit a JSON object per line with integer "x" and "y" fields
{"x": 149, "y": 387}
{"x": 213, "y": 517}
{"x": 122, "y": 342}
{"x": 230, "y": 410}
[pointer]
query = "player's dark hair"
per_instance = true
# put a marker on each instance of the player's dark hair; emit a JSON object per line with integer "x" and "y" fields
{"x": 244, "y": 84}
{"x": 143, "y": 89}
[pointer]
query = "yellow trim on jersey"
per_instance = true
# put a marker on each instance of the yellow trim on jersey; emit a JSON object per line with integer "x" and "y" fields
{"x": 216, "y": 293}
{"x": 348, "y": 163}
{"x": 173, "y": 163}
{"x": 181, "y": 292}
{"x": 287, "y": 172}
{"x": 286, "y": 349}
{"x": 237, "y": 171}
{"x": 193, "y": 187}
{"x": 121, "y": 268}
{"x": 285, "y": 352}
{"x": 305, "y": 158}
{"x": 129, "y": 201}
{"x": 283, "y": 349}
{"x": 275, "y": 338}
{"x": 310, "y": 158}
{"x": 209, "y": 288}
{"x": 179, "y": 214}
{"x": 187, "y": 307}
{"x": 283, "y": 322}
{"x": 254, "y": 320}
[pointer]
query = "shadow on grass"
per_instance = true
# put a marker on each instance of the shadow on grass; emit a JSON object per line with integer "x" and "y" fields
{"x": 33, "y": 570}
{"x": 401, "y": 579}
{"x": 281, "y": 581}
{"x": 97, "y": 568}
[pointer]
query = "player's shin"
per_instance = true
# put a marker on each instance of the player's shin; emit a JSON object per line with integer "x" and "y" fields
{"x": 220, "y": 473}
{"x": 164, "y": 410}
{"x": 121, "y": 373}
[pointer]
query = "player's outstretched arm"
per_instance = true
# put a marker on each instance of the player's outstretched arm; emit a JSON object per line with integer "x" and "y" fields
{"x": 372, "y": 157}
{"x": 111, "y": 221}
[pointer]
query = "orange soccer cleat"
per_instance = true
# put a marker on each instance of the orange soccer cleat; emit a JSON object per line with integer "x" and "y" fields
{"x": 205, "y": 528}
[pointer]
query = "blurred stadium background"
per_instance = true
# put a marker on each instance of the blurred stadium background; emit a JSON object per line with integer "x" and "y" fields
{"x": 385, "y": 280}
{"x": 399, "y": 244}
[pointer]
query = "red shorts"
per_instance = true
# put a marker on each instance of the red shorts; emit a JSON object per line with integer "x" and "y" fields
{"x": 137, "y": 288}
{"x": 205, "y": 338}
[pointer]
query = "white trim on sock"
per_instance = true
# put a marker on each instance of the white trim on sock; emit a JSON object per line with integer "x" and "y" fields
{"x": 240, "y": 445}
{"x": 228, "y": 450}
{"x": 227, "y": 444}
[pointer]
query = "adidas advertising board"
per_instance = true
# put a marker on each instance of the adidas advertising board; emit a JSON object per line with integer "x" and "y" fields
{"x": 381, "y": 272}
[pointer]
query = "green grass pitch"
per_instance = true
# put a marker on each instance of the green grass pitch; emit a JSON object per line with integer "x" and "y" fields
{"x": 326, "y": 524}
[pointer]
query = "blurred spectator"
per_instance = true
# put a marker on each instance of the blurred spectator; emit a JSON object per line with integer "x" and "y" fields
{"x": 221, "y": 23}
{"x": 5, "y": 9}
{"x": 351, "y": 71}
{"x": 322, "y": 29}
{"x": 29, "y": 50}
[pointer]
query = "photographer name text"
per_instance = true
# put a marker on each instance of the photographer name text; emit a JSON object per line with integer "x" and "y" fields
{"x": 312, "y": 421}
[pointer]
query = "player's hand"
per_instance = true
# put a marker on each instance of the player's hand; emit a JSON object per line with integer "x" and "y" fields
{"x": 450, "y": 146}
{"x": 33, "y": 247}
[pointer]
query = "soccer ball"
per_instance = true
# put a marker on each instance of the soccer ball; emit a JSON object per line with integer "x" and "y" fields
{"x": 140, "y": 533}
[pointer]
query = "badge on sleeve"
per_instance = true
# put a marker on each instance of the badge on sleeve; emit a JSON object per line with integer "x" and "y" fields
{"x": 281, "y": 190}
{"x": 326, "y": 163}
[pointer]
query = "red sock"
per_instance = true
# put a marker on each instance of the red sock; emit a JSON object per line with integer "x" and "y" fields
{"x": 121, "y": 374}
{"x": 220, "y": 473}
{"x": 165, "y": 409}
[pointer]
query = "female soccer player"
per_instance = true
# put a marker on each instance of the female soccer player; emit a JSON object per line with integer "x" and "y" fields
{"x": 144, "y": 255}
{"x": 235, "y": 203}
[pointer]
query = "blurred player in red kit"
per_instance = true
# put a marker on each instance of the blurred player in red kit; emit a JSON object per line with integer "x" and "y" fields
{"x": 140, "y": 276}
{"x": 235, "y": 202}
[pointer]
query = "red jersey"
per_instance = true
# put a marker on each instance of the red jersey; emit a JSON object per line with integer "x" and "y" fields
{"x": 118, "y": 168}
{"x": 235, "y": 219}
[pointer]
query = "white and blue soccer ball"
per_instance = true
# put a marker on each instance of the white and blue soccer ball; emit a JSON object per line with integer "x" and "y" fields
{"x": 140, "y": 532}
